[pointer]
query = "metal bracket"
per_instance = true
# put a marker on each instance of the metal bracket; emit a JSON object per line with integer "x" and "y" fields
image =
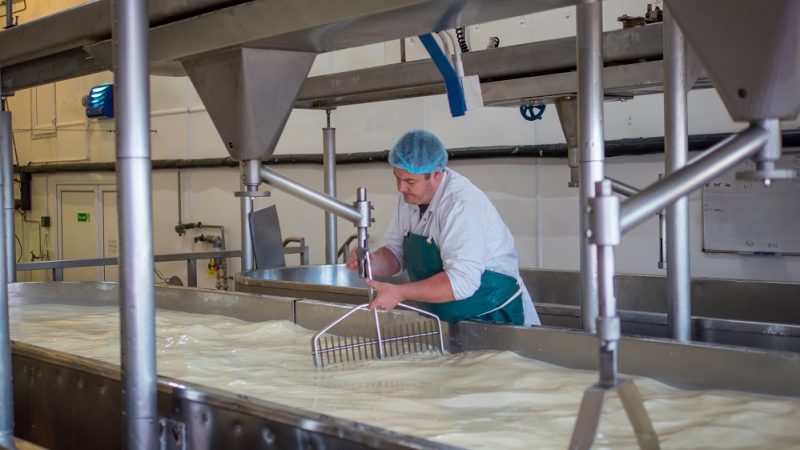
{"x": 252, "y": 194}
{"x": 172, "y": 434}
{"x": 592, "y": 407}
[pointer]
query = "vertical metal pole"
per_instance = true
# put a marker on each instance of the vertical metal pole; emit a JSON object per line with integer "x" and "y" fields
{"x": 134, "y": 187}
{"x": 250, "y": 182}
{"x": 9, "y": 14}
{"x": 329, "y": 164}
{"x": 590, "y": 142}
{"x": 7, "y": 165}
{"x": 191, "y": 272}
{"x": 676, "y": 148}
{"x": 6, "y": 390}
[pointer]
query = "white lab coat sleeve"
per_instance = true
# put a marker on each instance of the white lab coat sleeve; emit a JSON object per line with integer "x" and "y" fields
{"x": 462, "y": 244}
{"x": 394, "y": 236}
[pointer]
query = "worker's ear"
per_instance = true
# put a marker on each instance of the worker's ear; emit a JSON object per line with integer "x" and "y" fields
{"x": 437, "y": 176}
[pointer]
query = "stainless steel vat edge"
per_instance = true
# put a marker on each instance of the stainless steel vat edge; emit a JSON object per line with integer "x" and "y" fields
{"x": 687, "y": 366}
{"x": 58, "y": 389}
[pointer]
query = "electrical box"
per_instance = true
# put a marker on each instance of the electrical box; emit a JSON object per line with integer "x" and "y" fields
{"x": 100, "y": 101}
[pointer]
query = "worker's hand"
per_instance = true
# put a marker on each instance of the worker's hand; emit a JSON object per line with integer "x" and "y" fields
{"x": 352, "y": 260}
{"x": 387, "y": 295}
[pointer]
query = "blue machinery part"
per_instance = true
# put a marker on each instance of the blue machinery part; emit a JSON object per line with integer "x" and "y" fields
{"x": 455, "y": 92}
{"x": 100, "y": 101}
{"x": 528, "y": 112}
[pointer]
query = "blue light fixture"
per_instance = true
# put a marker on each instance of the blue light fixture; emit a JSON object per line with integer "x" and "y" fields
{"x": 100, "y": 101}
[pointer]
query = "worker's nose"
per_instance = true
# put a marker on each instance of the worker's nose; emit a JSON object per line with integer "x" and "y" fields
{"x": 402, "y": 187}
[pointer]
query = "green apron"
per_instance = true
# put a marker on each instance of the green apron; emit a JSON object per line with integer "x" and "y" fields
{"x": 491, "y": 302}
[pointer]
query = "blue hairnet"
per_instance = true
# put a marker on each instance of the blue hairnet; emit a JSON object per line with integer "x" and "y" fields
{"x": 418, "y": 151}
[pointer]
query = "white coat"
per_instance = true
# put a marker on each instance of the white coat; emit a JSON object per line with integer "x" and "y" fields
{"x": 469, "y": 232}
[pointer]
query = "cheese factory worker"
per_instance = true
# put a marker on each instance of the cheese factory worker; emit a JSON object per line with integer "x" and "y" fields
{"x": 458, "y": 253}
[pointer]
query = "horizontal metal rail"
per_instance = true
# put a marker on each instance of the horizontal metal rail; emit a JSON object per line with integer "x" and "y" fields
{"x": 58, "y": 266}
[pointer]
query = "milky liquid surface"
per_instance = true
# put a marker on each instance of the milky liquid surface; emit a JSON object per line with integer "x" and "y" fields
{"x": 478, "y": 400}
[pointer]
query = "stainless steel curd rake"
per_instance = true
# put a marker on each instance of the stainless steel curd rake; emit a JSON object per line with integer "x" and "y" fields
{"x": 386, "y": 341}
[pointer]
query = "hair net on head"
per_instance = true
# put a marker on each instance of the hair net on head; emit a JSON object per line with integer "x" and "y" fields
{"x": 418, "y": 151}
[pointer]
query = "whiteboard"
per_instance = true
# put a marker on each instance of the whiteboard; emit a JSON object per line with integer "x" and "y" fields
{"x": 744, "y": 216}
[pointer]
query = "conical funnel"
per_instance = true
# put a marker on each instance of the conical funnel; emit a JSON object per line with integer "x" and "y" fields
{"x": 751, "y": 51}
{"x": 249, "y": 94}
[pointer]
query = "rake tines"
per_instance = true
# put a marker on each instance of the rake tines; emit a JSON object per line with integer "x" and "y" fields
{"x": 384, "y": 342}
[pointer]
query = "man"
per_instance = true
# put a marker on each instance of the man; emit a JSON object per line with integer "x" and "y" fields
{"x": 458, "y": 253}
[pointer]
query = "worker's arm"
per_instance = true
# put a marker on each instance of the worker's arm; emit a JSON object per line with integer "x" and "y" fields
{"x": 382, "y": 261}
{"x": 435, "y": 289}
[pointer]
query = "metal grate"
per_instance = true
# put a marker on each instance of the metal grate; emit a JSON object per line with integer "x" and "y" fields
{"x": 381, "y": 340}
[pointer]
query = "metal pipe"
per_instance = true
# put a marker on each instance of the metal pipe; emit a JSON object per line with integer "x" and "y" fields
{"x": 7, "y": 167}
{"x": 606, "y": 235}
{"x": 616, "y": 147}
{"x": 589, "y": 18}
{"x": 662, "y": 236}
{"x": 329, "y": 166}
{"x": 720, "y": 159}
{"x": 567, "y": 108}
{"x": 623, "y": 189}
{"x": 137, "y": 304}
{"x": 309, "y": 195}
{"x": 6, "y": 389}
{"x": 250, "y": 182}
{"x": 9, "y": 14}
{"x": 676, "y": 153}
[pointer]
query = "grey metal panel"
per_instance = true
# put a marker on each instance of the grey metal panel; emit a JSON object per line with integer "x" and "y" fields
{"x": 744, "y": 216}
{"x": 688, "y": 366}
{"x": 525, "y": 60}
{"x": 247, "y": 307}
{"x": 57, "y": 389}
{"x": 267, "y": 238}
{"x": 756, "y": 71}
{"x": 383, "y": 83}
{"x": 757, "y": 301}
{"x": 85, "y": 23}
{"x": 305, "y": 26}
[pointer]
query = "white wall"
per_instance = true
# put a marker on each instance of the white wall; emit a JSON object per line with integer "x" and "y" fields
{"x": 531, "y": 194}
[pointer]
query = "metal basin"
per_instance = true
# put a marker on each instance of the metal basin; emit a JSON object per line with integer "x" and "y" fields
{"x": 331, "y": 282}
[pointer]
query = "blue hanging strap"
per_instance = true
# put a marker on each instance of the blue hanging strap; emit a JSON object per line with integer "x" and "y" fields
{"x": 455, "y": 92}
{"x": 528, "y": 112}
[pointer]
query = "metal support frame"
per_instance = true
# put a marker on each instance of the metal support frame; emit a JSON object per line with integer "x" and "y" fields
{"x": 329, "y": 165}
{"x": 309, "y": 195}
{"x": 607, "y": 223}
{"x": 606, "y": 235}
{"x": 713, "y": 162}
{"x": 137, "y": 299}
{"x": 250, "y": 182}
{"x": 676, "y": 151}
{"x": 626, "y": 190}
{"x": 590, "y": 143}
{"x": 7, "y": 168}
{"x": 600, "y": 232}
{"x": 6, "y": 388}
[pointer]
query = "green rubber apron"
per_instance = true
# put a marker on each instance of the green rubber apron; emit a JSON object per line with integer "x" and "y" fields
{"x": 498, "y": 299}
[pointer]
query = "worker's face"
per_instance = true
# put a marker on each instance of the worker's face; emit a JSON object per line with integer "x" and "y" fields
{"x": 417, "y": 189}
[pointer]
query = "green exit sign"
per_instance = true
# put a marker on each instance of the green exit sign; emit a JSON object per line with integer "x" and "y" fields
{"x": 83, "y": 217}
